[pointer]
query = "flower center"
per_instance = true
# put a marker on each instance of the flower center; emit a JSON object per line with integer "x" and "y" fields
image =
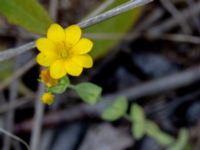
{"x": 63, "y": 53}
{"x": 63, "y": 50}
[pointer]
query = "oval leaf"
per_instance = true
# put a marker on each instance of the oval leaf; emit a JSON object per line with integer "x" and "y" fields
{"x": 117, "y": 109}
{"x": 137, "y": 113}
{"x": 138, "y": 130}
{"x": 89, "y": 92}
{"x": 182, "y": 140}
{"x": 28, "y": 14}
{"x": 153, "y": 131}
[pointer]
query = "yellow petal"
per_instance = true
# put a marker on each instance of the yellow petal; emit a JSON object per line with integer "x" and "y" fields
{"x": 83, "y": 60}
{"x": 45, "y": 45}
{"x": 45, "y": 59}
{"x": 83, "y": 46}
{"x": 56, "y": 33}
{"x": 57, "y": 69}
{"x": 72, "y": 35}
{"x": 72, "y": 68}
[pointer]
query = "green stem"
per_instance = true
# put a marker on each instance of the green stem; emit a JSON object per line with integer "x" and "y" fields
{"x": 72, "y": 86}
{"x": 128, "y": 117}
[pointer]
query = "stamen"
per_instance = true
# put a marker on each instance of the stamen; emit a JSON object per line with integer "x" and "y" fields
{"x": 63, "y": 50}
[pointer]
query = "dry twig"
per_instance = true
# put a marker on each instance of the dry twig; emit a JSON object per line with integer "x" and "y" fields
{"x": 14, "y": 137}
{"x": 36, "y": 130}
{"x": 172, "y": 22}
{"x": 177, "y": 15}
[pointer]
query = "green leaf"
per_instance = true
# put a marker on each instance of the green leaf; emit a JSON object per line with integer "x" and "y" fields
{"x": 118, "y": 24}
{"x": 182, "y": 140}
{"x": 89, "y": 92}
{"x": 28, "y": 14}
{"x": 137, "y": 114}
{"x": 153, "y": 131}
{"x": 138, "y": 121}
{"x": 117, "y": 109}
{"x": 138, "y": 130}
{"x": 61, "y": 86}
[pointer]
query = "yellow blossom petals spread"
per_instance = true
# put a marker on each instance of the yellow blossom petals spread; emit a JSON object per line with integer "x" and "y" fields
{"x": 64, "y": 51}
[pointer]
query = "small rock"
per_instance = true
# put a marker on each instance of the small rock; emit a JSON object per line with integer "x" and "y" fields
{"x": 154, "y": 65}
{"x": 106, "y": 137}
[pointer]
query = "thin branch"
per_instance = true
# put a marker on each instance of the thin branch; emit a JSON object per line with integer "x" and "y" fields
{"x": 195, "y": 18}
{"x": 16, "y": 104}
{"x": 172, "y": 22}
{"x": 167, "y": 83}
{"x": 38, "y": 116}
{"x": 100, "y": 9}
{"x": 174, "y": 37}
{"x": 53, "y": 7}
{"x": 150, "y": 19}
{"x": 11, "y": 114}
{"x": 177, "y": 15}
{"x": 9, "y": 53}
{"x": 113, "y": 12}
{"x": 14, "y": 137}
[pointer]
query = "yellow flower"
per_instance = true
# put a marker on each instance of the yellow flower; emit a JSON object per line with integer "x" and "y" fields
{"x": 48, "y": 98}
{"x": 64, "y": 51}
{"x": 47, "y": 79}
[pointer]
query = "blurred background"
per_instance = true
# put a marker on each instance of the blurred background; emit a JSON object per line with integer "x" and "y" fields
{"x": 150, "y": 54}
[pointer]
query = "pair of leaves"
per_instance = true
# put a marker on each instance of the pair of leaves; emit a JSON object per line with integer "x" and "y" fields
{"x": 88, "y": 92}
{"x": 117, "y": 109}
